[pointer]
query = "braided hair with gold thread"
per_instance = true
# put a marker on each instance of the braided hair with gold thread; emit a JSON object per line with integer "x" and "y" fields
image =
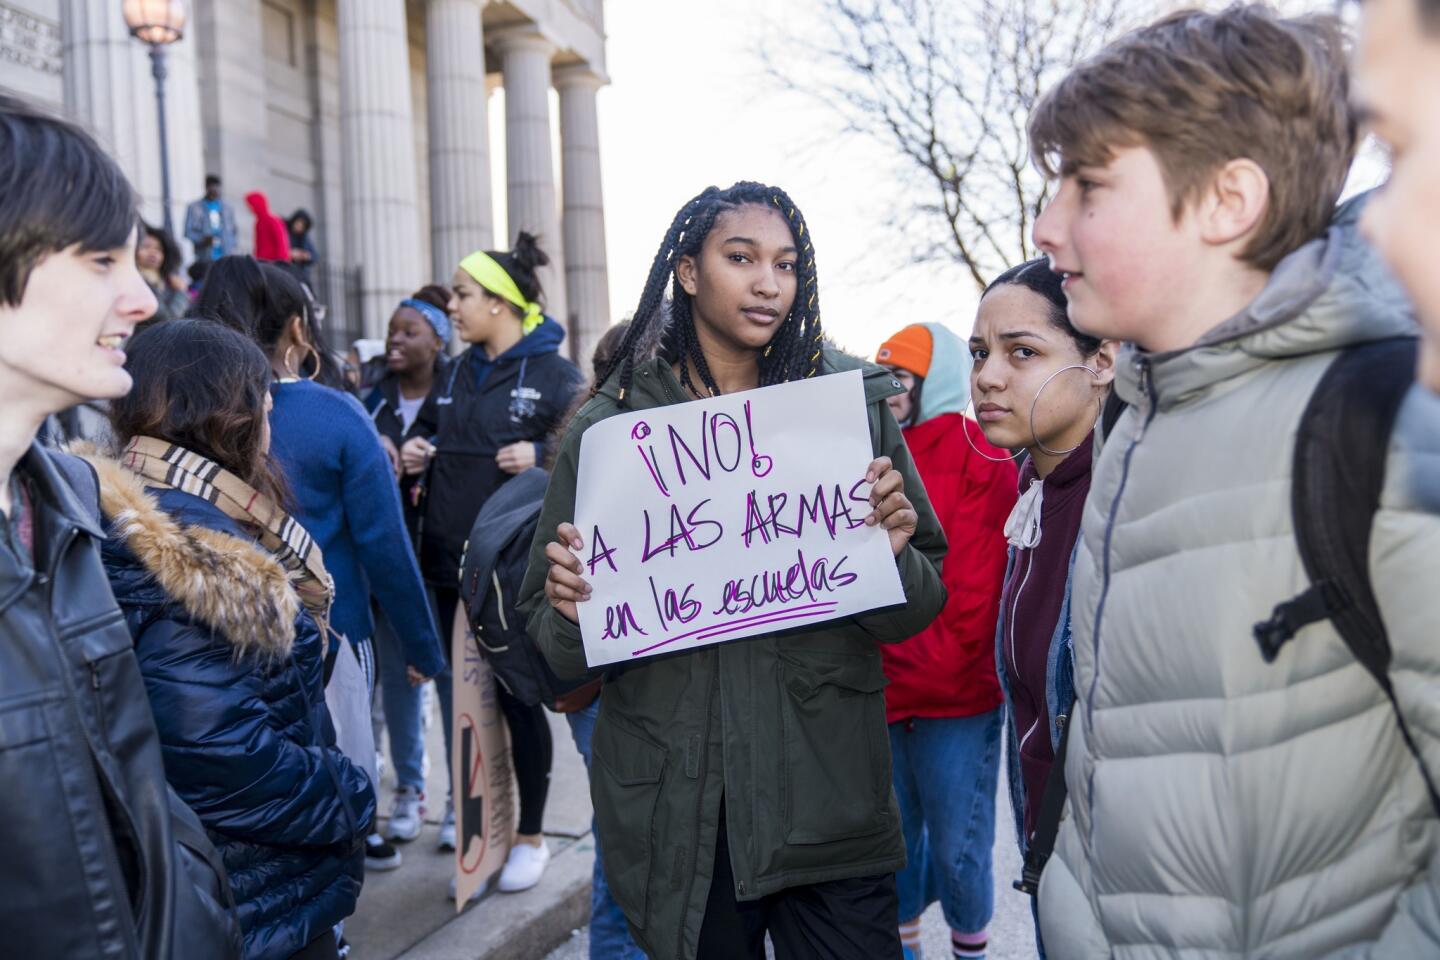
{"x": 792, "y": 353}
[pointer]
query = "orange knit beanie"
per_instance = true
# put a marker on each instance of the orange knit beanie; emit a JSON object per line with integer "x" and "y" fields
{"x": 910, "y": 349}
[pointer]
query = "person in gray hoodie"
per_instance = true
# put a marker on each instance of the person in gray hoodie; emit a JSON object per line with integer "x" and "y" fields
{"x": 1221, "y": 805}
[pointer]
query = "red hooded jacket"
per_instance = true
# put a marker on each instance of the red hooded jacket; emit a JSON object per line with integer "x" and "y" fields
{"x": 949, "y": 669}
{"x": 272, "y": 237}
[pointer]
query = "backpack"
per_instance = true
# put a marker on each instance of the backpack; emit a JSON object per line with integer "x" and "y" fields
{"x": 492, "y": 569}
{"x": 1339, "y": 471}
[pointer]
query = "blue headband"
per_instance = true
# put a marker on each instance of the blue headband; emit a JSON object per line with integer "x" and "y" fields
{"x": 433, "y": 315}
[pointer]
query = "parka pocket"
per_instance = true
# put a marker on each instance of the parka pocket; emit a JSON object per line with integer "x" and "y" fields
{"x": 625, "y": 784}
{"x": 836, "y": 754}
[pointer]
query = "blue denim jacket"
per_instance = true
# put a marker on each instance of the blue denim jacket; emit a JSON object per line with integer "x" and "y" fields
{"x": 1059, "y": 693}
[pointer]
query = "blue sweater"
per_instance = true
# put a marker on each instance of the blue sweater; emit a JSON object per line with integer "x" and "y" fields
{"x": 347, "y": 499}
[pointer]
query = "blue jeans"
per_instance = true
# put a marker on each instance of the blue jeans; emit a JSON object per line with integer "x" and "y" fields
{"x": 609, "y": 936}
{"x": 402, "y": 707}
{"x": 946, "y": 773}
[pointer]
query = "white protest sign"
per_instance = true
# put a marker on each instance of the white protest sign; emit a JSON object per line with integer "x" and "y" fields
{"x": 729, "y": 517}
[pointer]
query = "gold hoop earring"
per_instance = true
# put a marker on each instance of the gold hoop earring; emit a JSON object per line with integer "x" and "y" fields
{"x": 316, "y": 354}
{"x": 290, "y": 370}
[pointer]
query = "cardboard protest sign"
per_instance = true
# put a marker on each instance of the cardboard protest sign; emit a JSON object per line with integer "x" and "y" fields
{"x": 480, "y": 769}
{"x": 729, "y": 517}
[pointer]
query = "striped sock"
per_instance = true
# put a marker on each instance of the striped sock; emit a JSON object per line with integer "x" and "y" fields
{"x": 910, "y": 939}
{"x": 968, "y": 946}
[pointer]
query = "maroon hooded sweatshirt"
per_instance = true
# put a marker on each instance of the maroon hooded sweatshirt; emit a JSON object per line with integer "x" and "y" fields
{"x": 1031, "y": 601}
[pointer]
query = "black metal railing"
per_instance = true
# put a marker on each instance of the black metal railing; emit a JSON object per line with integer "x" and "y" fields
{"x": 337, "y": 290}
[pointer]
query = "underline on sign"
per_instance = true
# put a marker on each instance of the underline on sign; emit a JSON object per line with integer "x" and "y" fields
{"x": 730, "y": 626}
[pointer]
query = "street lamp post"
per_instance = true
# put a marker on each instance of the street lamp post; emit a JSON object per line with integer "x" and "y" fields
{"x": 158, "y": 23}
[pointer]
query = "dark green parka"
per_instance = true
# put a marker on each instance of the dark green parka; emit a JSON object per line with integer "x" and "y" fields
{"x": 789, "y": 727}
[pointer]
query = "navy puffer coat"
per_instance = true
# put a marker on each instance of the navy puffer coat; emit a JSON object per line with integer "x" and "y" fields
{"x": 233, "y": 666}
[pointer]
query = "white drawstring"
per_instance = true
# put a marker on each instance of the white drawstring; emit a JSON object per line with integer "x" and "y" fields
{"x": 1022, "y": 528}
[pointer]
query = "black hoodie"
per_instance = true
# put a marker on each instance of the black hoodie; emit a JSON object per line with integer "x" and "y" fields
{"x": 480, "y": 406}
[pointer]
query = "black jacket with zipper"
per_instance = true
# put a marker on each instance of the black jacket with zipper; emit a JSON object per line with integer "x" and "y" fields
{"x": 480, "y": 406}
{"x": 383, "y": 404}
{"x": 91, "y": 867}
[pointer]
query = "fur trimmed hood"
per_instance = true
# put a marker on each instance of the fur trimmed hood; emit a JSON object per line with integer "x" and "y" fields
{"x": 222, "y": 580}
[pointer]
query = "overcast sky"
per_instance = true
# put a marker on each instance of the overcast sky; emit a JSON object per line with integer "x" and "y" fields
{"x": 689, "y": 106}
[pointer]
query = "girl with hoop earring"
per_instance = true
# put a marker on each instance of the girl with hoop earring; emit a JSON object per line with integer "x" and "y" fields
{"x": 943, "y": 704}
{"x": 1039, "y": 387}
{"x": 342, "y": 480}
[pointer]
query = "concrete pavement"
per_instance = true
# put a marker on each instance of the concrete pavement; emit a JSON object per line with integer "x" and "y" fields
{"x": 407, "y": 914}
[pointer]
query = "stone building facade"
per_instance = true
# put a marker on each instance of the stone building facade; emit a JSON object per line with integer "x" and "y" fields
{"x": 371, "y": 114}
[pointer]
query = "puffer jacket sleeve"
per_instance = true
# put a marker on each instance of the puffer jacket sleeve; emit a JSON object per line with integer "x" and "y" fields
{"x": 558, "y": 638}
{"x": 920, "y": 561}
{"x": 1404, "y": 568}
{"x": 226, "y": 755}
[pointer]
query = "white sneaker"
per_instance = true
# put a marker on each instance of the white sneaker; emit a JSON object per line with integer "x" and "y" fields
{"x": 524, "y": 867}
{"x": 447, "y": 828}
{"x": 407, "y": 815}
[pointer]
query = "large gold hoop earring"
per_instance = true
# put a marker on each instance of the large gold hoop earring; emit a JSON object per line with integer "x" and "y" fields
{"x": 290, "y": 370}
{"x": 316, "y": 354}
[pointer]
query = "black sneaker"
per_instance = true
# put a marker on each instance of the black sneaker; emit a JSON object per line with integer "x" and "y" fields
{"x": 380, "y": 855}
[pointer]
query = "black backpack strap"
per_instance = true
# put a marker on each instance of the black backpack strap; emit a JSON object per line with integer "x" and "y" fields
{"x": 1047, "y": 822}
{"x": 1114, "y": 406}
{"x": 1339, "y": 472}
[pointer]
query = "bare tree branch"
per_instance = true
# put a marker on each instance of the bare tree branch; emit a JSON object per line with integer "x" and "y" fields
{"x": 946, "y": 86}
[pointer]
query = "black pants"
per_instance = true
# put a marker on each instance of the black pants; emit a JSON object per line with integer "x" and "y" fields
{"x": 531, "y": 746}
{"x": 855, "y": 919}
{"x": 321, "y": 948}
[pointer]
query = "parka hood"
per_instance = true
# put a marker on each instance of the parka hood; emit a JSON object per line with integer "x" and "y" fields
{"x": 1334, "y": 292}
{"x": 199, "y": 559}
{"x": 947, "y": 387}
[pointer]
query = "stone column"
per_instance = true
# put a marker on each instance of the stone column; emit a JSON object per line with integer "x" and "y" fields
{"x": 109, "y": 90}
{"x": 460, "y": 208}
{"x": 529, "y": 164}
{"x": 587, "y": 282}
{"x": 376, "y": 126}
{"x": 233, "y": 115}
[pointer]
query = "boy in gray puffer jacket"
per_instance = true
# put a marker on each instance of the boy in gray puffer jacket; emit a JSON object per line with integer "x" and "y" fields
{"x": 1222, "y": 806}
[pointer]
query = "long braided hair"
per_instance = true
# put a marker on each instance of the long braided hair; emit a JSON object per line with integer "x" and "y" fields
{"x": 794, "y": 350}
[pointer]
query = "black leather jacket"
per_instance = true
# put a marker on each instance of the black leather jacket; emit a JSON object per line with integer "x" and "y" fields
{"x": 90, "y": 867}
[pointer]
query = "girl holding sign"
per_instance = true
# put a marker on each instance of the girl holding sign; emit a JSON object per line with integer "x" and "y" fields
{"x": 1038, "y": 384}
{"x": 744, "y": 789}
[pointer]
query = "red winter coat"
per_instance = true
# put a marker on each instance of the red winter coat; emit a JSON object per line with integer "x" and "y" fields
{"x": 949, "y": 669}
{"x": 272, "y": 237}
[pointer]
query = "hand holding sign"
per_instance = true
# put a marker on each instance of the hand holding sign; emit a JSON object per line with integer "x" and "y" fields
{"x": 565, "y": 586}
{"x": 729, "y": 517}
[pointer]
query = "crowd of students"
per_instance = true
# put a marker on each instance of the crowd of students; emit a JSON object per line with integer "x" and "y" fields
{"x": 1175, "y": 567}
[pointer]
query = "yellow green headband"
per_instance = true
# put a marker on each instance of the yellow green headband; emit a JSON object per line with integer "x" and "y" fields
{"x": 489, "y": 274}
